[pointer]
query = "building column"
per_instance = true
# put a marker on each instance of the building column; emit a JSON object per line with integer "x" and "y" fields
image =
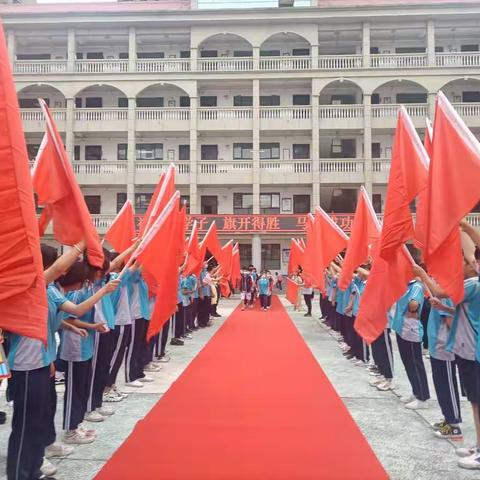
{"x": 257, "y": 252}
{"x": 431, "y": 43}
{"x": 314, "y": 55}
{"x": 432, "y": 96}
{"x": 193, "y": 59}
{"x": 69, "y": 127}
{"x": 194, "y": 204}
{"x": 256, "y": 147}
{"x": 367, "y": 142}
{"x": 256, "y": 58}
{"x": 131, "y": 151}
{"x": 315, "y": 150}
{"x": 11, "y": 46}
{"x": 366, "y": 44}
{"x": 132, "y": 49}
{"x": 71, "y": 50}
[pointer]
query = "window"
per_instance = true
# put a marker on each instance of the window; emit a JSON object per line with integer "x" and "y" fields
{"x": 411, "y": 98}
{"x": 242, "y": 53}
{"x": 123, "y": 102}
{"x": 242, "y": 101}
{"x": 79, "y": 55}
{"x": 342, "y": 99}
{"x": 33, "y": 56}
{"x": 377, "y": 202}
{"x": 146, "y": 102}
{"x": 149, "y": 151}
{"x": 31, "y": 102}
{"x": 375, "y": 99}
{"x": 142, "y": 200}
{"x": 185, "y": 200}
{"x": 94, "y": 102}
{"x": 343, "y": 148}
{"x": 184, "y": 101}
{"x": 245, "y": 250}
{"x": 122, "y": 151}
{"x": 208, "y": 101}
{"x": 76, "y": 152}
{"x": 376, "y": 149}
{"x": 208, "y": 53}
{"x": 94, "y": 55}
{"x": 301, "y": 203}
{"x": 374, "y": 50}
{"x": 271, "y": 256}
{"x": 301, "y": 52}
{"x": 78, "y": 102}
{"x": 438, "y": 49}
{"x": 150, "y": 55}
{"x": 269, "y": 100}
{"x": 270, "y": 151}
{"x": 209, "y": 204}
{"x": 470, "y": 96}
{"x": 301, "y": 99}
{"x": 469, "y": 48}
{"x": 209, "y": 152}
{"x": 301, "y": 151}
{"x": 242, "y": 203}
{"x": 185, "y": 54}
{"x": 269, "y": 53}
{"x": 184, "y": 152}
{"x": 410, "y": 50}
{"x": 123, "y": 55}
{"x": 121, "y": 199}
{"x": 94, "y": 203}
{"x": 242, "y": 151}
{"x": 32, "y": 150}
{"x": 343, "y": 200}
{"x": 269, "y": 203}
{"x": 93, "y": 152}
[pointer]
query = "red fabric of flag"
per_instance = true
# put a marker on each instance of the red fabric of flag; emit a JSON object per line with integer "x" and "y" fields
{"x": 146, "y": 217}
{"x": 211, "y": 242}
{"x": 453, "y": 191}
{"x": 57, "y": 188}
{"x": 23, "y": 299}
{"x": 365, "y": 233}
{"x": 196, "y": 253}
{"x": 236, "y": 275}
{"x": 292, "y": 291}
{"x": 296, "y": 257}
{"x": 121, "y": 233}
{"x": 226, "y": 262}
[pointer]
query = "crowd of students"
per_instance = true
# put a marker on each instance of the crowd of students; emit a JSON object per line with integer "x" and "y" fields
{"x": 253, "y": 286}
{"x": 449, "y": 331}
{"x": 97, "y": 322}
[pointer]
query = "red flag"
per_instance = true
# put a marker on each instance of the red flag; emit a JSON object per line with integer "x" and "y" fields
{"x": 211, "y": 242}
{"x": 296, "y": 256}
{"x": 57, "y": 189}
{"x": 408, "y": 175}
{"x": 226, "y": 261}
{"x": 182, "y": 233}
{"x": 23, "y": 299}
{"x": 195, "y": 253}
{"x": 121, "y": 233}
{"x": 334, "y": 239}
{"x": 311, "y": 251}
{"x": 44, "y": 220}
{"x": 453, "y": 191}
{"x": 153, "y": 201}
{"x": 156, "y": 253}
{"x": 236, "y": 275}
{"x": 364, "y": 235}
{"x": 292, "y": 291}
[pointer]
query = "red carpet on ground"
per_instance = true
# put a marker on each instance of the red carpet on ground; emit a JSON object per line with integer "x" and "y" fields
{"x": 253, "y": 405}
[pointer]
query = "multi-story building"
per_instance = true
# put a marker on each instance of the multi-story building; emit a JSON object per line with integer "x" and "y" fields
{"x": 263, "y": 111}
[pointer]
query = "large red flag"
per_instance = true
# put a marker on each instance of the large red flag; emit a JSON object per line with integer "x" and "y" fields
{"x": 292, "y": 291}
{"x": 156, "y": 253}
{"x": 211, "y": 242}
{"x": 453, "y": 191}
{"x": 23, "y": 299}
{"x": 296, "y": 256}
{"x": 334, "y": 239}
{"x": 236, "y": 275}
{"x": 310, "y": 258}
{"x": 195, "y": 254}
{"x": 408, "y": 176}
{"x": 364, "y": 235}
{"x": 226, "y": 261}
{"x": 146, "y": 217}
{"x": 121, "y": 233}
{"x": 57, "y": 189}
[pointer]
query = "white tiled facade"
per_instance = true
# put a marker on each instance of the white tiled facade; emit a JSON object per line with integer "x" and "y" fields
{"x": 271, "y": 103}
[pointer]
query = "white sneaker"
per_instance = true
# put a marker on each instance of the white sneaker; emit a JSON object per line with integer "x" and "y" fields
{"x": 188, "y": 335}
{"x": 376, "y": 381}
{"x": 470, "y": 463}
{"x": 152, "y": 367}
{"x": 359, "y": 363}
{"x": 58, "y": 450}
{"x": 105, "y": 411}
{"x": 165, "y": 359}
{"x": 135, "y": 384}
{"x": 417, "y": 405}
{"x": 119, "y": 392}
{"x": 463, "y": 452}
{"x": 90, "y": 432}
{"x": 93, "y": 417}
{"x": 112, "y": 397}
{"x": 78, "y": 437}
{"x": 407, "y": 398}
{"x": 385, "y": 386}
{"x": 146, "y": 379}
{"x": 48, "y": 469}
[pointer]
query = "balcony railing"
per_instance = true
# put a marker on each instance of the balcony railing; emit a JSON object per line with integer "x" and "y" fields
{"x": 225, "y": 113}
{"x": 399, "y": 61}
{"x": 164, "y": 65}
{"x": 101, "y": 66}
{"x": 221, "y": 167}
{"x": 341, "y": 111}
{"x": 286, "y": 166}
{"x": 36, "y": 114}
{"x": 391, "y": 110}
{"x": 159, "y": 167}
{"x": 461, "y": 59}
{"x": 285, "y": 63}
{"x": 340, "y": 62}
{"x": 180, "y": 113}
{"x": 381, "y": 165}
{"x": 99, "y": 167}
{"x": 100, "y": 114}
{"x": 42, "y": 67}
{"x": 225, "y": 64}
{"x": 467, "y": 109}
{"x": 287, "y": 113}
{"x": 341, "y": 165}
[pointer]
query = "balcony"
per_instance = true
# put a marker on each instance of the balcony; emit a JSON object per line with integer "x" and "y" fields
{"x": 225, "y": 64}
{"x": 163, "y": 65}
{"x": 224, "y": 172}
{"x": 399, "y": 61}
{"x": 341, "y": 116}
{"x": 34, "y": 121}
{"x": 286, "y": 63}
{"x": 342, "y": 170}
{"x": 385, "y": 116}
{"x": 280, "y": 118}
{"x": 285, "y": 171}
{"x": 162, "y": 119}
{"x": 470, "y": 112}
{"x": 381, "y": 170}
{"x": 234, "y": 118}
{"x": 100, "y": 119}
{"x": 340, "y": 62}
{"x": 101, "y": 66}
{"x": 40, "y": 67}
{"x": 148, "y": 173}
{"x": 460, "y": 59}
{"x": 100, "y": 172}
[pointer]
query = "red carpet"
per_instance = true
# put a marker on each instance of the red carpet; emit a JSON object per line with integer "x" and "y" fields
{"x": 253, "y": 405}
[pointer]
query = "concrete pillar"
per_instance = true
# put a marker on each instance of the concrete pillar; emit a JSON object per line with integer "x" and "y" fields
{"x": 315, "y": 150}
{"x": 194, "y": 204}
{"x": 69, "y": 127}
{"x": 11, "y": 46}
{"x": 366, "y": 44}
{"x": 256, "y": 58}
{"x": 431, "y": 43}
{"x": 131, "y": 151}
{"x": 314, "y": 54}
{"x": 256, "y": 147}
{"x": 367, "y": 142}
{"x": 257, "y": 252}
{"x": 193, "y": 58}
{"x": 132, "y": 49}
{"x": 71, "y": 50}
{"x": 431, "y": 105}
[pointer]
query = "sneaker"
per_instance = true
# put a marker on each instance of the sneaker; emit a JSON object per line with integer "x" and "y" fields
{"x": 105, "y": 411}
{"x": 3, "y": 418}
{"x": 407, "y": 398}
{"x": 376, "y": 381}
{"x": 417, "y": 405}
{"x": 93, "y": 417}
{"x": 463, "y": 452}
{"x": 439, "y": 425}
{"x": 151, "y": 367}
{"x": 134, "y": 384}
{"x": 112, "y": 397}
{"x": 58, "y": 450}
{"x": 385, "y": 386}
{"x": 165, "y": 359}
{"x": 146, "y": 379}
{"x": 77, "y": 437}
{"x": 87, "y": 431}
{"x": 448, "y": 431}
{"x": 308, "y": 315}
{"x": 189, "y": 336}
{"x": 470, "y": 463}
{"x": 48, "y": 468}
{"x": 359, "y": 363}
{"x": 348, "y": 356}
{"x": 177, "y": 342}
{"x": 119, "y": 392}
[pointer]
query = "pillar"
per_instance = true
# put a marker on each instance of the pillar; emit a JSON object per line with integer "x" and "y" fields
{"x": 193, "y": 58}
{"x": 194, "y": 204}
{"x": 431, "y": 105}
{"x": 256, "y": 147}
{"x": 315, "y": 150}
{"x": 366, "y": 44}
{"x": 132, "y": 49}
{"x": 11, "y": 46}
{"x": 69, "y": 127}
{"x": 131, "y": 151}
{"x": 431, "y": 43}
{"x": 256, "y": 58}
{"x": 71, "y": 50}
{"x": 257, "y": 252}
{"x": 367, "y": 142}
{"x": 314, "y": 55}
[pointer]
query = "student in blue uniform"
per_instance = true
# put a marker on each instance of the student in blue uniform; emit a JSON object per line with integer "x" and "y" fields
{"x": 263, "y": 286}
{"x": 179, "y": 325}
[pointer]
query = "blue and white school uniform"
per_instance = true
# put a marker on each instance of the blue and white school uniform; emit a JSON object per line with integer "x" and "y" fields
{"x": 180, "y": 314}
{"x": 263, "y": 287}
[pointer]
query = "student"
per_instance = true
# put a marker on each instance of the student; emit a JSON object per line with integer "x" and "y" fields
{"x": 279, "y": 280}
{"x": 307, "y": 292}
{"x": 179, "y": 326}
{"x": 409, "y": 331}
{"x": 192, "y": 298}
{"x": 245, "y": 287}
{"x": 263, "y": 286}
{"x": 271, "y": 285}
